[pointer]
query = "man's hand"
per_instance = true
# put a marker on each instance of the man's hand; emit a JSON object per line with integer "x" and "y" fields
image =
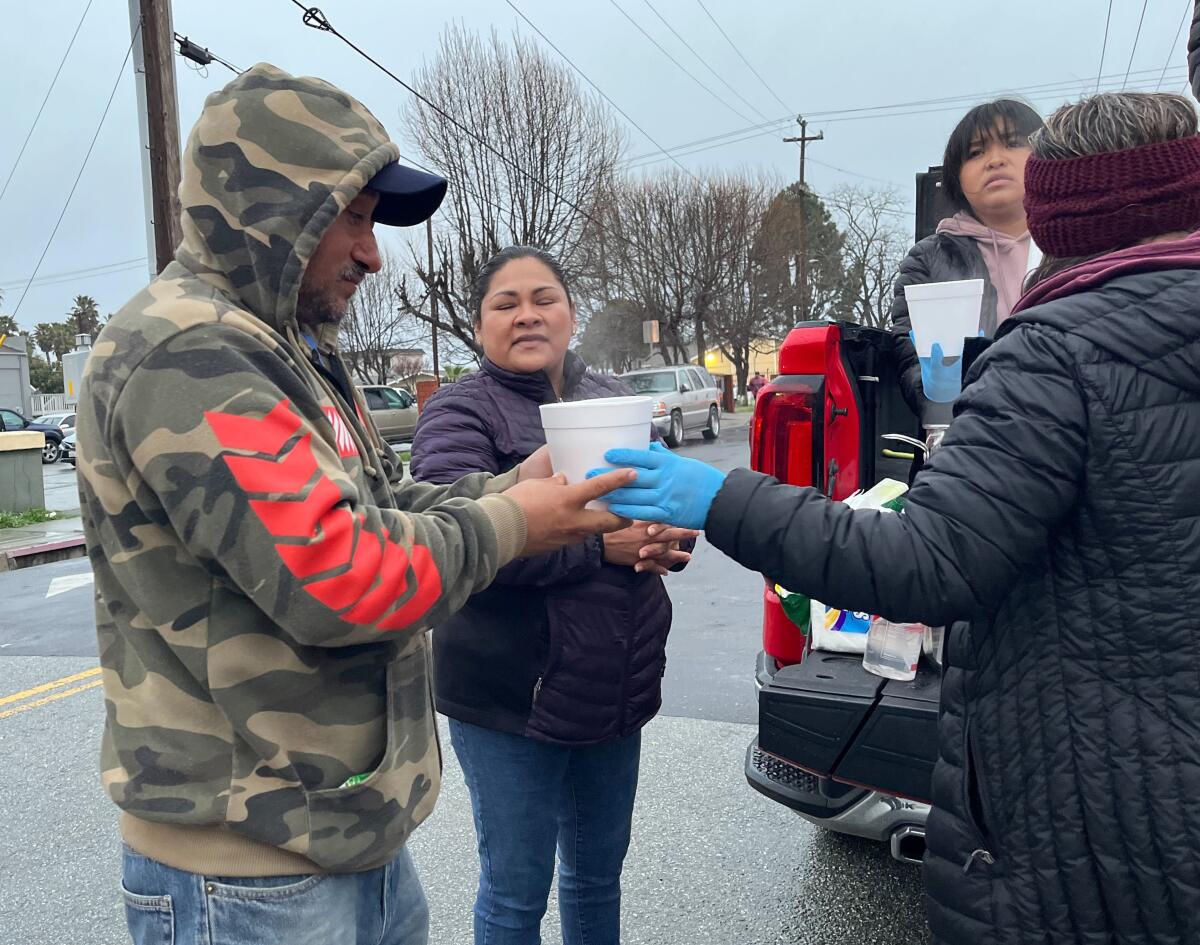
{"x": 536, "y": 465}
{"x": 554, "y": 512}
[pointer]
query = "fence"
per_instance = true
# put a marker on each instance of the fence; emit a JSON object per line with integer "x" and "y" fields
{"x": 47, "y": 403}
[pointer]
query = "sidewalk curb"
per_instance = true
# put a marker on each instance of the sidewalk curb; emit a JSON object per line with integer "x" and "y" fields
{"x": 42, "y": 553}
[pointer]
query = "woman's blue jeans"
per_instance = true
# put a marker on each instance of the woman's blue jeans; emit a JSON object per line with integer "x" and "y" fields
{"x": 531, "y": 797}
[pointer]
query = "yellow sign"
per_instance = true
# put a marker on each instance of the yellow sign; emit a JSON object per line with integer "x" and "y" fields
{"x": 70, "y": 388}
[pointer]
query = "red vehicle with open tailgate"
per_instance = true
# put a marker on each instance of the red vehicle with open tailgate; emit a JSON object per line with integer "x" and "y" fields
{"x": 846, "y": 749}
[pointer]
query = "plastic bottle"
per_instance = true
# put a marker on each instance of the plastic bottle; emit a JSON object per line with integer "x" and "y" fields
{"x": 935, "y": 639}
{"x": 893, "y": 649}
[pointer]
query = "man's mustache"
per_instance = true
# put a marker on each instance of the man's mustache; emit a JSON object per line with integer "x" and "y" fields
{"x": 355, "y": 272}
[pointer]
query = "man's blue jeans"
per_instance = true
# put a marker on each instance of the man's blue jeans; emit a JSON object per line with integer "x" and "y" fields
{"x": 528, "y": 798}
{"x": 166, "y": 906}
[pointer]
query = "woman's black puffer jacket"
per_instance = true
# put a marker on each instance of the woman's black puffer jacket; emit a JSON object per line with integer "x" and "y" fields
{"x": 1061, "y": 517}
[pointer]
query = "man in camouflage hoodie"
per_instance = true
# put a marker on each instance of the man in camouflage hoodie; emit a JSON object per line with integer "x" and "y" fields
{"x": 263, "y": 577}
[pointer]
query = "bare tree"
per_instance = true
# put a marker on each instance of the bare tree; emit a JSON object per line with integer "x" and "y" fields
{"x": 738, "y": 320}
{"x": 672, "y": 245}
{"x": 372, "y": 329}
{"x": 872, "y": 249}
{"x": 559, "y": 146}
{"x": 612, "y": 336}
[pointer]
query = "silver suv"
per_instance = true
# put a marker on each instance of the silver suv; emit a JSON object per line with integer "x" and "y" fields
{"x": 394, "y": 412}
{"x": 686, "y": 400}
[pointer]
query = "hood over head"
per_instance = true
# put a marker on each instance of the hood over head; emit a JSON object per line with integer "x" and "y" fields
{"x": 270, "y": 164}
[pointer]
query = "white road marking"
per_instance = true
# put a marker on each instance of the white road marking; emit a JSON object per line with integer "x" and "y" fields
{"x": 60, "y": 585}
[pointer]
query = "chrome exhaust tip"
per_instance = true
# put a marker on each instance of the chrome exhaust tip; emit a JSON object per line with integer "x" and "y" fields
{"x": 908, "y": 844}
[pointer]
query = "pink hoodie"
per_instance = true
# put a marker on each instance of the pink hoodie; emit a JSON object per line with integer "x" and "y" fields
{"x": 1006, "y": 258}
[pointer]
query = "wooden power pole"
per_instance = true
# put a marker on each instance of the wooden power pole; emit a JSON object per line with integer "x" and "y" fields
{"x": 802, "y": 262}
{"x": 804, "y": 138}
{"x": 437, "y": 373}
{"x": 159, "y": 107}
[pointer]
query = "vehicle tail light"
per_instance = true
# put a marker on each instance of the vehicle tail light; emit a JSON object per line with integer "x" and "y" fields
{"x": 781, "y": 444}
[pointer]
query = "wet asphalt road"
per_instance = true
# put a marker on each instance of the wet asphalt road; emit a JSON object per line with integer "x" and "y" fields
{"x": 711, "y": 860}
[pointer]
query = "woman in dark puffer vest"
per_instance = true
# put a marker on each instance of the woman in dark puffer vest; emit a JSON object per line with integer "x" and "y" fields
{"x": 1061, "y": 517}
{"x": 983, "y": 182}
{"x": 548, "y": 675}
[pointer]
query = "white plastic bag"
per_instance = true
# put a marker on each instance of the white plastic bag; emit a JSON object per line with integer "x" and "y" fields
{"x": 843, "y": 631}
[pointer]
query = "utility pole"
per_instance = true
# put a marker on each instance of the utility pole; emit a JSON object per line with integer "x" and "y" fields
{"x": 804, "y": 138}
{"x": 158, "y": 121}
{"x": 437, "y": 373}
{"x": 802, "y": 261}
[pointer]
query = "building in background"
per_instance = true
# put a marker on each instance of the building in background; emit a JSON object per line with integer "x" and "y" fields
{"x": 14, "y": 374}
{"x": 764, "y": 357}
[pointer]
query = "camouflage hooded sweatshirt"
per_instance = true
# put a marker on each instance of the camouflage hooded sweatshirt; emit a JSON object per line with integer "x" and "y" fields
{"x": 263, "y": 579}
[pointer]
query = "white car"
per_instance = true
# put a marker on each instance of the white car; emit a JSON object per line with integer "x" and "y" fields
{"x": 64, "y": 420}
{"x": 686, "y": 400}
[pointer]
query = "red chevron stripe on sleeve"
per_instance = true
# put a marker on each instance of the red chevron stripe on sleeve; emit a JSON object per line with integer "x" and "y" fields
{"x": 372, "y": 572}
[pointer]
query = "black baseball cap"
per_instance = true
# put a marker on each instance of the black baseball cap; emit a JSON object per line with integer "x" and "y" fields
{"x": 406, "y": 196}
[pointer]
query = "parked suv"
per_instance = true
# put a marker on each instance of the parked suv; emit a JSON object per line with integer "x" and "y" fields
{"x": 847, "y": 750}
{"x": 393, "y": 410}
{"x": 687, "y": 400}
{"x": 64, "y": 420}
{"x": 11, "y": 421}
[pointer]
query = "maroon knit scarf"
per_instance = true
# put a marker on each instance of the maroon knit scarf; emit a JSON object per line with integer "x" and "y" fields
{"x": 1098, "y": 203}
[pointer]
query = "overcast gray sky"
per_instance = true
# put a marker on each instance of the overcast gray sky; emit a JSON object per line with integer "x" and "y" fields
{"x": 821, "y": 58}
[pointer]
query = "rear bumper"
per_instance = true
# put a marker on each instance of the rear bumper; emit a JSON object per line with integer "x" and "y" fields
{"x": 818, "y": 798}
{"x": 858, "y": 812}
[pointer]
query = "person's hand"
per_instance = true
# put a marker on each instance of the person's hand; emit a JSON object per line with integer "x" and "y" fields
{"x": 639, "y": 547}
{"x": 555, "y": 514}
{"x": 941, "y": 377}
{"x": 625, "y": 546}
{"x": 661, "y": 553}
{"x": 668, "y": 488}
{"x": 536, "y": 465}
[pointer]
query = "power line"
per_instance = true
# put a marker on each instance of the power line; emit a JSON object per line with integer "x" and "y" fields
{"x": 599, "y": 90}
{"x": 682, "y": 68}
{"x": 754, "y": 131}
{"x": 92, "y": 272}
{"x": 769, "y": 129}
{"x": 834, "y": 167}
{"x": 201, "y": 55}
{"x": 1104, "y": 46}
{"x": 1136, "y": 37}
{"x": 42, "y": 108}
{"x": 743, "y": 58}
{"x": 1188, "y": 7}
{"x": 704, "y": 62}
{"x": 315, "y": 19}
{"x": 113, "y": 94}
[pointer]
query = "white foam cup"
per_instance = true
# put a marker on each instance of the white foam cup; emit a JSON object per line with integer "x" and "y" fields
{"x": 944, "y": 313}
{"x": 579, "y": 433}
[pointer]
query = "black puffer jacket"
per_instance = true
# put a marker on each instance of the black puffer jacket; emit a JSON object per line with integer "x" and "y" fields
{"x": 1061, "y": 517}
{"x": 942, "y": 257}
{"x": 563, "y": 647}
{"x": 1193, "y": 48}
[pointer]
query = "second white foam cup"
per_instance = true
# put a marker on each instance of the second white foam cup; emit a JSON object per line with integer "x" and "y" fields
{"x": 580, "y": 432}
{"x": 944, "y": 313}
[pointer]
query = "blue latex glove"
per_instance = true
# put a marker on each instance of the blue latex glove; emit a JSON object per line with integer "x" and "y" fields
{"x": 941, "y": 379}
{"x": 669, "y": 488}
